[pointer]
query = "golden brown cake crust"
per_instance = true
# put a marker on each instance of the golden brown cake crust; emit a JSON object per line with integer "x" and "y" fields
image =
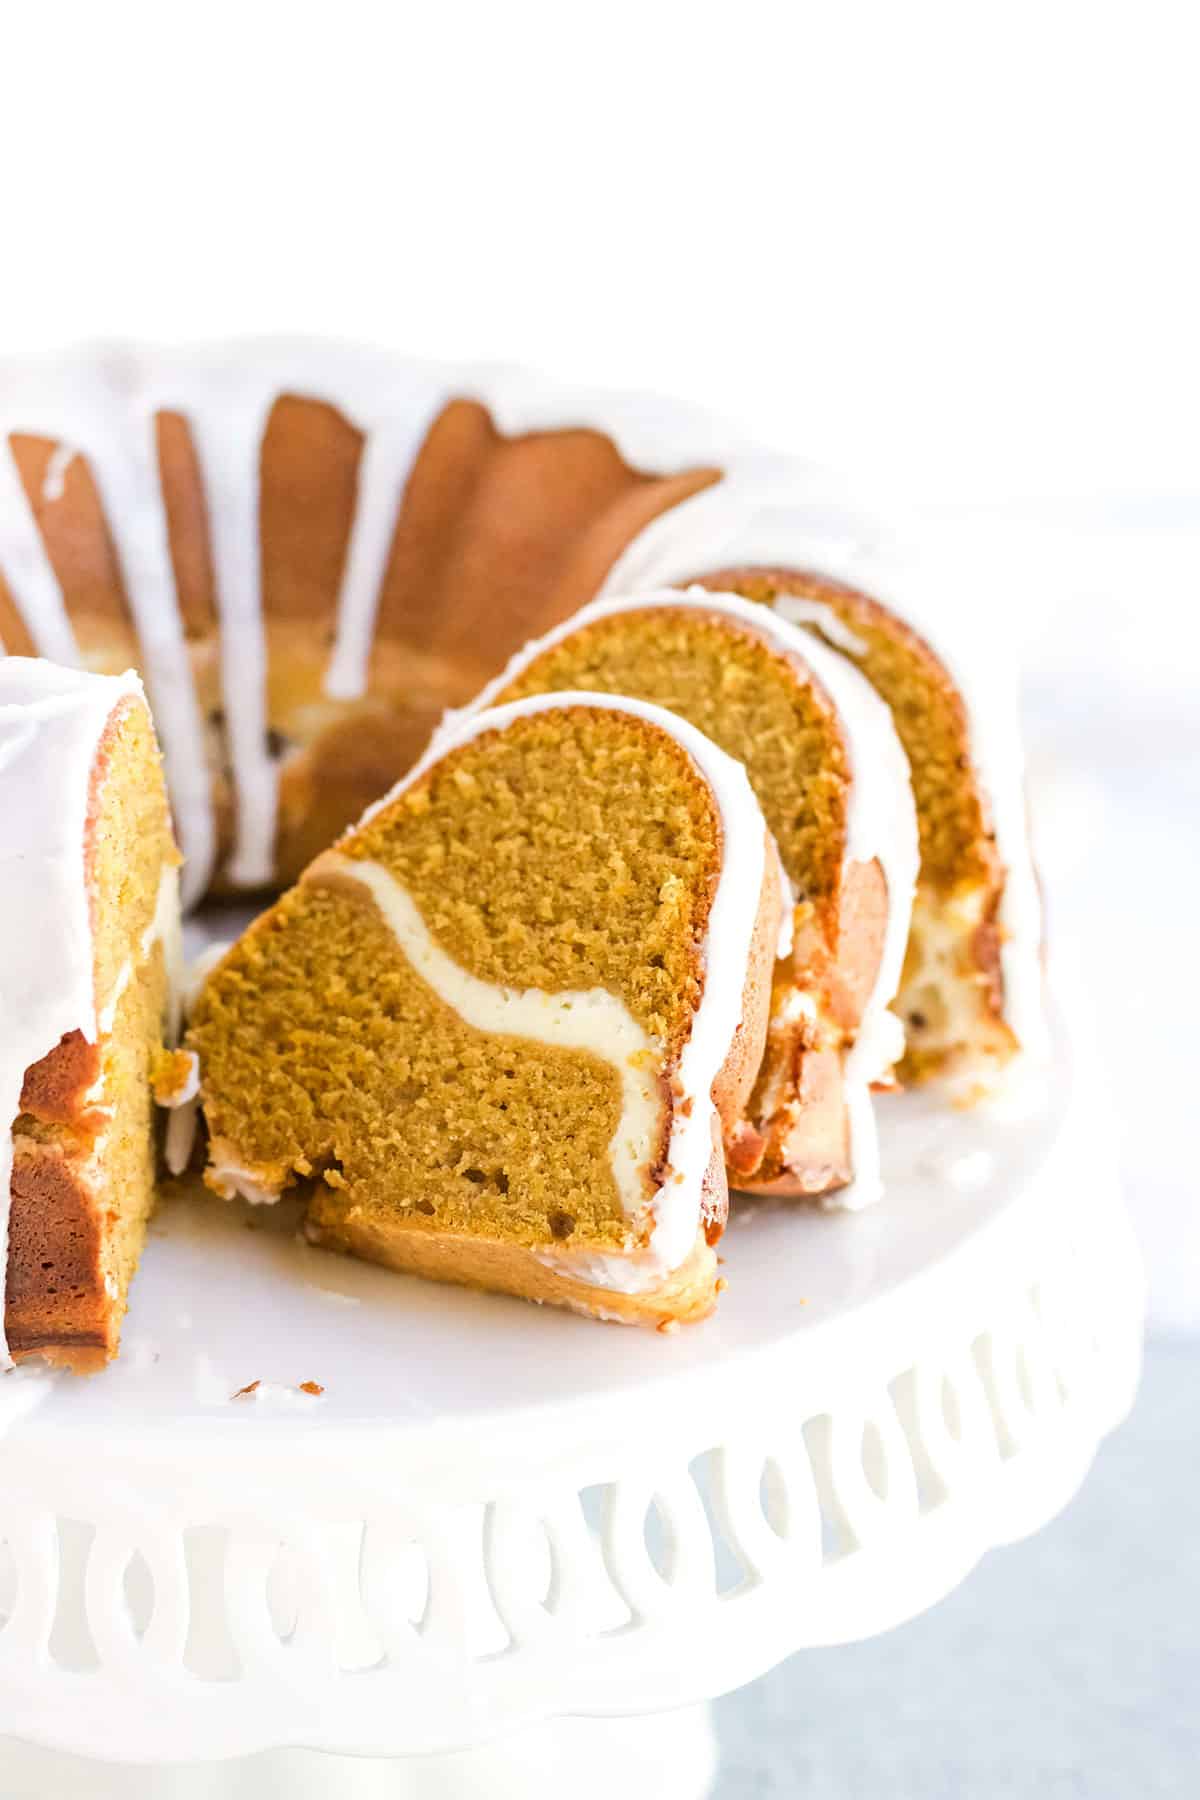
{"x": 688, "y": 1294}
{"x": 54, "y": 1088}
{"x": 56, "y": 1306}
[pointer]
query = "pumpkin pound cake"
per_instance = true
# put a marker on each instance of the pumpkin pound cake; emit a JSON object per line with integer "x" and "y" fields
{"x": 498, "y": 1033}
{"x": 89, "y": 896}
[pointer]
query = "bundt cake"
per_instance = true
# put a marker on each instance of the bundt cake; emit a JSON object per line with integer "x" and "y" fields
{"x": 819, "y": 748}
{"x": 497, "y": 1033}
{"x": 308, "y": 553}
{"x": 89, "y": 895}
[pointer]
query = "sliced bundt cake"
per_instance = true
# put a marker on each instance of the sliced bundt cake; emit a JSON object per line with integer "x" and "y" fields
{"x": 496, "y": 1033}
{"x": 822, "y": 757}
{"x": 89, "y": 900}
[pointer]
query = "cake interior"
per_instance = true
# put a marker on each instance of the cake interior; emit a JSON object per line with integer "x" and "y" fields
{"x": 743, "y": 694}
{"x": 84, "y": 1151}
{"x": 576, "y": 851}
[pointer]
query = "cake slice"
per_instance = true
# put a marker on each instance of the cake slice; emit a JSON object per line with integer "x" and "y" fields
{"x": 89, "y": 898}
{"x": 823, "y": 759}
{"x": 496, "y": 1033}
{"x": 971, "y": 997}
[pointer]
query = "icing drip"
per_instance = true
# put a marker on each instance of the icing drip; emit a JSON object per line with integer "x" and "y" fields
{"x": 183, "y": 1108}
{"x": 228, "y": 447}
{"x": 881, "y": 826}
{"x": 677, "y": 1205}
{"x": 51, "y": 722}
{"x": 27, "y": 568}
{"x": 124, "y": 469}
{"x": 798, "y": 611}
{"x": 54, "y": 482}
{"x": 387, "y": 459}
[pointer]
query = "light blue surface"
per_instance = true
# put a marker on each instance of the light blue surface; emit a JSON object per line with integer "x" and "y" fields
{"x": 1065, "y": 1668}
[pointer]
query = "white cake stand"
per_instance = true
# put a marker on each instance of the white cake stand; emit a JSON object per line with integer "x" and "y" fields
{"x": 503, "y": 1536}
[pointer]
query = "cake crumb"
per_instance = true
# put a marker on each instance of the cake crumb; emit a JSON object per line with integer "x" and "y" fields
{"x": 668, "y": 1327}
{"x": 720, "y": 1284}
{"x": 311, "y": 1387}
{"x": 244, "y": 1393}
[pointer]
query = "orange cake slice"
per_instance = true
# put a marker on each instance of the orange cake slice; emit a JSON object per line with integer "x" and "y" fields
{"x": 497, "y": 1034}
{"x": 971, "y": 996}
{"x": 89, "y": 903}
{"x": 823, "y": 759}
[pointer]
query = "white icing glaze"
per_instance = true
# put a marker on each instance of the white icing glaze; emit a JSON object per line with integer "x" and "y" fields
{"x": 51, "y": 723}
{"x": 228, "y": 443}
{"x": 28, "y": 571}
{"x": 787, "y": 909}
{"x": 881, "y": 826}
{"x": 768, "y": 511}
{"x": 181, "y": 1130}
{"x": 735, "y": 906}
{"x": 799, "y": 611}
{"x": 387, "y": 459}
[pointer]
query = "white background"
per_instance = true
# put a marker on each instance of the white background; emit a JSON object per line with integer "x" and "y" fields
{"x": 949, "y": 249}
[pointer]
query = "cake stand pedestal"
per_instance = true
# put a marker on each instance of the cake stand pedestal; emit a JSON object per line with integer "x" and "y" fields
{"x": 502, "y": 1538}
